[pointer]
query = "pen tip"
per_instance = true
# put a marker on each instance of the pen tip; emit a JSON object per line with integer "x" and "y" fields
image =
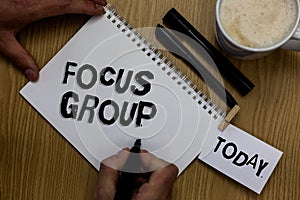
{"x": 138, "y": 142}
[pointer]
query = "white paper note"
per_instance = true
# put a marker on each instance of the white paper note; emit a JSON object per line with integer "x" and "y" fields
{"x": 242, "y": 157}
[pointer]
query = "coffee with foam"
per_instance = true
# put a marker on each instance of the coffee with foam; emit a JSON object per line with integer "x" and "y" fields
{"x": 258, "y": 23}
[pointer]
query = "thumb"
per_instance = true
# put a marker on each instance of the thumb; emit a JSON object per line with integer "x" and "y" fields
{"x": 18, "y": 55}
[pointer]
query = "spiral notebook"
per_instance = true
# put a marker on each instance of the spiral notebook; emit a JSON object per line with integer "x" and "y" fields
{"x": 108, "y": 86}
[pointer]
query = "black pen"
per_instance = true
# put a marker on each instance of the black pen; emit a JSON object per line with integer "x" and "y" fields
{"x": 171, "y": 43}
{"x": 130, "y": 173}
{"x": 176, "y": 21}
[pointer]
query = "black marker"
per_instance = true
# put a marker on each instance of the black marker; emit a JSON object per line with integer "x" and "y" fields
{"x": 172, "y": 44}
{"x": 176, "y": 21}
{"x": 130, "y": 173}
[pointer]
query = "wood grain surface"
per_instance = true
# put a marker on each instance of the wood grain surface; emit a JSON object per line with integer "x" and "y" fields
{"x": 38, "y": 163}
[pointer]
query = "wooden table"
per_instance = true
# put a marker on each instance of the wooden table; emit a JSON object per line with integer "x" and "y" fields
{"x": 38, "y": 163}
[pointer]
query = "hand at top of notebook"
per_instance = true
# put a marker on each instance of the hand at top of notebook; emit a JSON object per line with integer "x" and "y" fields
{"x": 14, "y": 15}
{"x": 158, "y": 185}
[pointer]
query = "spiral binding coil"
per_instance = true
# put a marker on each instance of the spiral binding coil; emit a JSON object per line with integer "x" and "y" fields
{"x": 162, "y": 62}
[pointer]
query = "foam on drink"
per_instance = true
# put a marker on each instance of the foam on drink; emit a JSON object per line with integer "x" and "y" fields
{"x": 258, "y": 23}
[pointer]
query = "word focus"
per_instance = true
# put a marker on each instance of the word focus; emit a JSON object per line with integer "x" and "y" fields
{"x": 121, "y": 81}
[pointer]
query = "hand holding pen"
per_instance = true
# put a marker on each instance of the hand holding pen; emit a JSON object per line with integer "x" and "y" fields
{"x": 158, "y": 185}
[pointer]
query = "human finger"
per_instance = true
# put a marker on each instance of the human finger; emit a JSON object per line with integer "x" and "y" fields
{"x": 151, "y": 162}
{"x": 160, "y": 182}
{"x": 58, "y": 7}
{"x": 108, "y": 175}
{"x": 89, "y": 7}
{"x": 158, "y": 167}
{"x": 100, "y": 2}
{"x": 18, "y": 55}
